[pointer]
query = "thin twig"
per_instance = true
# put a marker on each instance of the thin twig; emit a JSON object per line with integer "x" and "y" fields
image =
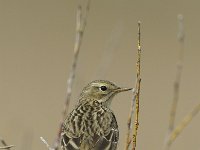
{"x": 179, "y": 128}
{"x": 129, "y": 122}
{"x": 5, "y": 146}
{"x": 177, "y": 79}
{"x": 47, "y": 145}
{"x": 178, "y": 75}
{"x": 80, "y": 28}
{"x": 137, "y": 97}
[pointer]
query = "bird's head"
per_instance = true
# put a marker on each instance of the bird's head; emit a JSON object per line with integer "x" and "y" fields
{"x": 102, "y": 91}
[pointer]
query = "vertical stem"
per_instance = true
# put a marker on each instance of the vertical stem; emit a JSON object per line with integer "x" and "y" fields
{"x": 80, "y": 28}
{"x": 177, "y": 81}
{"x": 179, "y": 128}
{"x": 137, "y": 102}
{"x": 129, "y": 122}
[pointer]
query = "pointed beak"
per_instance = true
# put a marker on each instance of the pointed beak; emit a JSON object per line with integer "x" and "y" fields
{"x": 122, "y": 89}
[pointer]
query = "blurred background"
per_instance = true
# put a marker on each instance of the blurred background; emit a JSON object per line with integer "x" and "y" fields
{"x": 36, "y": 52}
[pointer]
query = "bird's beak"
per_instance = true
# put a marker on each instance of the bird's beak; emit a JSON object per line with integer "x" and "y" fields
{"x": 122, "y": 89}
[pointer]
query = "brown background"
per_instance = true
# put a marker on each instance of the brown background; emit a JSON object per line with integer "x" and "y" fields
{"x": 36, "y": 49}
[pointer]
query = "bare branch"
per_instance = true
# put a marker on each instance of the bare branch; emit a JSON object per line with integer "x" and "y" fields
{"x": 47, "y": 145}
{"x": 129, "y": 122}
{"x": 137, "y": 94}
{"x": 177, "y": 79}
{"x": 80, "y": 28}
{"x": 5, "y": 146}
{"x": 179, "y": 128}
{"x": 178, "y": 75}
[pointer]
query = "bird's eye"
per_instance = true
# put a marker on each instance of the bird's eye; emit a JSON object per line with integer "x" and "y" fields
{"x": 103, "y": 88}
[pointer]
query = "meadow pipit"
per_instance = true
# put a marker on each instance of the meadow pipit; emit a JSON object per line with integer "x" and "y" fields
{"x": 92, "y": 124}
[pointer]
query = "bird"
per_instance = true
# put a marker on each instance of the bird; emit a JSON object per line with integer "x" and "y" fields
{"x": 92, "y": 125}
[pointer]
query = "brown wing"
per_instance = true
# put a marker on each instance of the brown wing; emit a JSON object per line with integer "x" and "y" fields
{"x": 108, "y": 141}
{"x": 71, "y": 131}
{"x": 88, "y": 133}
{"x": 70, "y": 143}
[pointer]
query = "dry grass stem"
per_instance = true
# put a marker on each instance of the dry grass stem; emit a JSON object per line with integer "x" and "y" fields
{"x": 178, "y": 75}
{"x": 47, "y": 145}
{"x": 129, "y": 122}
{"x": 177, "y": 81}
{"x": 137, "y": 93}
{"x": 80, "y": 28}
{"x": 5, "y": 146}
{"x": 179, "y": 128}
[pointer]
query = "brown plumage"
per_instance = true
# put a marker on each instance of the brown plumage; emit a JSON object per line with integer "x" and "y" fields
{"x": 92, "y": 124}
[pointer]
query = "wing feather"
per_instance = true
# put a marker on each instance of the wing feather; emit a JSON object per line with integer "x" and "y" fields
{"x": 91, "y": 133}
